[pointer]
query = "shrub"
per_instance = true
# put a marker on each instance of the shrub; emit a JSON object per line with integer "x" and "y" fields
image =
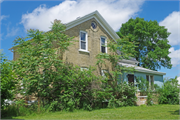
{"x": 169, "y": 93}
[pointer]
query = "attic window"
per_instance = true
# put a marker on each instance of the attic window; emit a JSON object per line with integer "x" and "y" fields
{"x": 93, "y": 25}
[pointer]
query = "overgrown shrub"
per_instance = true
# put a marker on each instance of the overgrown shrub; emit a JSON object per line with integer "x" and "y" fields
{"x": 169, "y": 93}
{"x": 122, "y": 95}
{"x": 7, "y": 78}
{"x": 143, "y": 86}
{"x": 19, "y": 108}
{"x": 73, "y": 90}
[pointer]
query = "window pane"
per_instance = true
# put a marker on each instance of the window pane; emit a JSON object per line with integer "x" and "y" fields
{"x": 84, "y": 68}
{"x": 102, "y": 41}
{"x": 104, "y": 73}
{"x": 83, "y": 45}
{"x": 103, "y": 50}
{"x": 83, "y": 36}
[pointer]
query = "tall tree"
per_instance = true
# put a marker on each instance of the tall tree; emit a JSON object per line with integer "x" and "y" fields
{"x": 114, "y": 79}
{"x": 153, "y": 45}
{"x": 40, "y": 59}
{"x": 7, "y": 78}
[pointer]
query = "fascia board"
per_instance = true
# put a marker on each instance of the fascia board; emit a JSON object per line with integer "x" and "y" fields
{"x": 128, "y": 61}
{"x": 150, "y": 71}
{"x": 79, "y": 21}
{"x": 107, "y": 25}
{"x": 100, "y": 20}
{"x": 141, "y": 69}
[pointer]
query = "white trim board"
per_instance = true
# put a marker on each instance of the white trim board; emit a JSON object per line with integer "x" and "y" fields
{"x": 99, "y": 19}
{"x": 141, "y": 69}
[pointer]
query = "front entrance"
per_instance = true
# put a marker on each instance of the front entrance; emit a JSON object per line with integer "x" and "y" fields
{"x": 131, "y": 79}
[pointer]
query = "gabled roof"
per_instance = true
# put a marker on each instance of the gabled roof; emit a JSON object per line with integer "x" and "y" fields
{"x": 100, "y": 20}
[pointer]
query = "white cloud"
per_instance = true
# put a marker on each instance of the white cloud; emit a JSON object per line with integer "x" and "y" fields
{"x": 1, "y": 1}
{"x": 172, "y": 23}
{"x": 175, "y": 56}
{"x": 3, "y": 17}
{"x": 115, "y": 12}
{"x": 12, "y": 32}
{"x": 178, "y": 80}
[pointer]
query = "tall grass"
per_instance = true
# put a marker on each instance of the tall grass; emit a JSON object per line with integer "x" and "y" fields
{"x": 22, "y": 109}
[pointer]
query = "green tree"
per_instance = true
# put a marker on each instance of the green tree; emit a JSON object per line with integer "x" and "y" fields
{"x": 169, "y": 93}
{"x": 7, "y": 78}
{"x": 56, "y": 83}
{"x": 122, "y": 94}
{"x": 40, "y": 59}
{"x": 153, "y": 46}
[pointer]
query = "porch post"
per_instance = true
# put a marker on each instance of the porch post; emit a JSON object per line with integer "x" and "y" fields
{"x": 149, "y": 81}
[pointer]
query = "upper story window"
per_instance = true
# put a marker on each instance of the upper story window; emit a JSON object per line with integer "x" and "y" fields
{"x": 103, "y": 45}
{"x": 83, "y": 41}
{"x": 93, "y": 25}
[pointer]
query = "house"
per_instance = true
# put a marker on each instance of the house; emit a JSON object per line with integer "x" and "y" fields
{"x": 92, "y": 31}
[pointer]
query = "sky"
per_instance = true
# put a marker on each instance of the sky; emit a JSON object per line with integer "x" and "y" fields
{"x": 17, "y": 16}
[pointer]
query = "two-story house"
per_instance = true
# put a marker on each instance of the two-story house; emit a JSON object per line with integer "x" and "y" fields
{"x": 92, "y": 31}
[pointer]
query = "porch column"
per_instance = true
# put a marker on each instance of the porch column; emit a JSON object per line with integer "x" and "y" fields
{"x": 149, "y": 81}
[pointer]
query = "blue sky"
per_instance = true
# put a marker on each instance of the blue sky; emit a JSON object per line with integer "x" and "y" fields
{"x": 18, "y": 16}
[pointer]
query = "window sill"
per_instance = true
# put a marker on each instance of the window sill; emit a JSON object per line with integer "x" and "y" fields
{"x": 80, "y": 50}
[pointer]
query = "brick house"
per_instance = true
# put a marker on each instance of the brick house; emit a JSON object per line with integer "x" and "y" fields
{"x": 92, "y": 31}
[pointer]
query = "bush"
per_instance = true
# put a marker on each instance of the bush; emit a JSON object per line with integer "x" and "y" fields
{"x": 19, "y": 108}
{"x": 73, "y": 90}
{"x": 123, "y": 95}
{"x": 169, "y": 93}
{"x": 7, "y": 78}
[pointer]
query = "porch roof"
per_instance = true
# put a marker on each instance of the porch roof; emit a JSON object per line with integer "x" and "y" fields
{"x": 141, "y": 69}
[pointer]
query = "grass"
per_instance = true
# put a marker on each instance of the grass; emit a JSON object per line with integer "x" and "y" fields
{"x": 135, "y": 112}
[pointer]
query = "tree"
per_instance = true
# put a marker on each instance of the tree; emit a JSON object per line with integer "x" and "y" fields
{"x": 43, "y": 72}
{"x": 40, "y": 59}
{"x": 169, "y": 93}
{"x": 7, "y": 78}
{"x": 122, "y": 93}
{"x": 153, "y": 47}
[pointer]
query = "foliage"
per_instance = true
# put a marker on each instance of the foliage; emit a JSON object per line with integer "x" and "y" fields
{"x": 150, "y": 98}
{"x": 125, "y": 96}
{"x": 169, "y": 93}
{"x": 144, "y": 88}
{"x": 58, "y": 84}
{"x": 74, "y": 90}
{"x": 7, "y": 78}
{"x": 20, "y": 108}
{"x": 40, "y": 59}
{"x": 143, "y": 85}
{"x": 152, "y": 43}
{"x": 122, "y": 94}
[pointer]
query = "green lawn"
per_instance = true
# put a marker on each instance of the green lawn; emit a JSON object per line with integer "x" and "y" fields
{"x": 135, "y": 112}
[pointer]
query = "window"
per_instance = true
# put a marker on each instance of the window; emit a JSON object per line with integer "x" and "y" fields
{"x": 93, "y": 25}
{"x": 84, "y": 68}
{"x": 103, "y": 45}
{"x": 83, "y": 41}
{"x": 104, "y": 73}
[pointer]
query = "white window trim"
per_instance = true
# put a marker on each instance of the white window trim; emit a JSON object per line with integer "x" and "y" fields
{"x": 102, "y": 73}
{"x": 105, "y": 43}
{"x": 80, "y": 42}
{"x": 84, "y": 68}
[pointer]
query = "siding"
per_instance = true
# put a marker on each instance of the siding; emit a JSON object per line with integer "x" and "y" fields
{"x": 158, "y": 79}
